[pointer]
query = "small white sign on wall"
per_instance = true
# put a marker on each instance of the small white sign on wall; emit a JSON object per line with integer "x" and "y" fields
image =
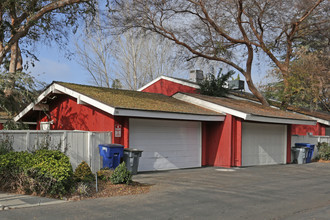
{"x": 117, "y": 130}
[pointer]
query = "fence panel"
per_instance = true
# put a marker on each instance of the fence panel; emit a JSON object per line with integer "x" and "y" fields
{"x": 78, "y": 145}
{"x": 311, "y": 140}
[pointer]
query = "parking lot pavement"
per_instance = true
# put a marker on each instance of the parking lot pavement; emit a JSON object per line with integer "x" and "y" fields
{"x": 263, "y": 192}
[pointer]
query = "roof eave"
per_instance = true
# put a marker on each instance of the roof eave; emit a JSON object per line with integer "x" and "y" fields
{"x": 258, "y": 118}
{"x": 167, "y": 115}
{"x": 239, "y": 114}
{"x": 57, "y": 88}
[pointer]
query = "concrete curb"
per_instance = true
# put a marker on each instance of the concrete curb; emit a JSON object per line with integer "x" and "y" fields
{"x": 15, "y": 201}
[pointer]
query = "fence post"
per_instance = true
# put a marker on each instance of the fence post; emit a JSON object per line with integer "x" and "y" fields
{"x": 64, "y": 140}
{"x": 89, "y": 143}
{"x": 27, "y": 139}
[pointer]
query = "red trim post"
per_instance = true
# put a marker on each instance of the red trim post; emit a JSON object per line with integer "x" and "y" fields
{"x": 288, "y": 150}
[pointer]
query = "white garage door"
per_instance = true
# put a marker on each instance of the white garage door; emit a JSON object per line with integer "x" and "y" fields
{"x": 166, "y": 144}
{"x": 263, "y": 144}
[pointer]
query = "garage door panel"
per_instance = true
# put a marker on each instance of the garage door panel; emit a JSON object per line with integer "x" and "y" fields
{"x": 166, "y": 144}
{"x": 263, "y": 144}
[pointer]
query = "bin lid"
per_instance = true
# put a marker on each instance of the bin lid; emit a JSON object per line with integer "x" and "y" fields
{"x": 132, "y": 150}
{"x": 110, "y": 145}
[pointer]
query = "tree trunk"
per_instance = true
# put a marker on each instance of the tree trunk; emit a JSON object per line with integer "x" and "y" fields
{"x": 12, "y": 70}
{"x": 254, "y": 90}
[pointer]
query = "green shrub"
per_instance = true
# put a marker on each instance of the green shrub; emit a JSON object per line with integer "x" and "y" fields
{"x": 121, "y": 175}
{"x": 54, "y": 166}
{"x": 324, "y": 151}
{"x": 83, "y": 173}
{"x": 104, "y": 174}
{"x": 42, "y": 172}
{"x": 15, "y": 162}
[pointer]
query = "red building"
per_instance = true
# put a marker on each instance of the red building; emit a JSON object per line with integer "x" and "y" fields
{"x": 185, "y": 130}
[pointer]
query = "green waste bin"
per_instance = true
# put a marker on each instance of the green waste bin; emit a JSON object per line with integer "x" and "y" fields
{"x": 131, "y": 159}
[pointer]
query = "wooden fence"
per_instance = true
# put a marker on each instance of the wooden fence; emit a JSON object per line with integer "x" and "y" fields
{"x": 78, "y": 145}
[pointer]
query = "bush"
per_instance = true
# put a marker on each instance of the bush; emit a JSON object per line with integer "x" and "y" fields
{"x": 121, "y": 175}
{"x": 324, "y": 151}
{"x": 83, "y": 173}
{"x": 42, "y": 172}
{"x": 54, "y": 165}
{"x": 105, "y": 174}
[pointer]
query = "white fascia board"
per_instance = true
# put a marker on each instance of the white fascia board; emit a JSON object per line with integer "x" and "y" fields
{"x": 167, "y": 115}
{"x": 169, "y": 79}
{"x": 319, "y": 120}
{"x": 279, "y": 120}
{"x": 150, "y": 83}
{"x": 209, "y": 105}
{"x": 58, "y": 89}
{"x": 31, "y": 105}
{"x": 85, "y": 99}
{"x": 181, "y": 82}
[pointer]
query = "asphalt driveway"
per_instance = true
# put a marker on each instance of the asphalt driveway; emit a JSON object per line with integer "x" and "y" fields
{"x": 265, "y": 192}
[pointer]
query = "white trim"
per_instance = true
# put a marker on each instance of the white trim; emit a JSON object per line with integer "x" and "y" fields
{"x": 209, "y": 105}
{"x": 245, "y": 116}
{"x": 319, "y": 120}
{"x": 279, "y": 120}
{"x": 31, "y": 105}
{"x": 61, "y": 89}
{"x": 169, "y": 79}
{"x": 167, "y": 115}
{"x": 85, "y": 99}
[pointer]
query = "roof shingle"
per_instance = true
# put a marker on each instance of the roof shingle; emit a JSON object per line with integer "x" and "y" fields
{"x": 249, "y": 107}
{"x": 135, "y": 100}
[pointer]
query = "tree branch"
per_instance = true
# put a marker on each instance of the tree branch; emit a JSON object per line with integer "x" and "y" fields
{"x": 23, "y": 30}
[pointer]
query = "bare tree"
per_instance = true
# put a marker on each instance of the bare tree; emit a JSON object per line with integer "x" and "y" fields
{"x": 140, "y": 59}
{"x": 131, "y": 60}
{"x": 228, "y": 31}
{"x": 95, "y": 55}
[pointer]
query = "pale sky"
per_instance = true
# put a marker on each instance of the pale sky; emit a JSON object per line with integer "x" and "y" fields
{"x": 54, "y": 66}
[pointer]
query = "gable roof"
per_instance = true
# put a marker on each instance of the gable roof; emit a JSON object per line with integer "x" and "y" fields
{"x": 321, "y": 117}
{"x": 184, "y": 82}
{"x": 245, "y": 109}
{"x": 128, "y": 103}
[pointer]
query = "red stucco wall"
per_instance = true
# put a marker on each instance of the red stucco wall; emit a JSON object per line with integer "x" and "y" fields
{"x": 317, "y": 129}
{"x": 68, "y": 115}
{"x": 1, "y": 126}
{"x": 222, "y": 142}
{"x": 168, "y": 88}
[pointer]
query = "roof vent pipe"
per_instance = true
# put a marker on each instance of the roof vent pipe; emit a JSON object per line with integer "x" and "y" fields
{"x": 196, "y": 76}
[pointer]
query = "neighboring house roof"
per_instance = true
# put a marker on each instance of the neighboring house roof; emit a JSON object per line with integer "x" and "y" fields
{"x": 321, "y": 117}
{"x": 128, "y": 103}
{"x": 245, "y": 109}
{"x": 172, "y": 79}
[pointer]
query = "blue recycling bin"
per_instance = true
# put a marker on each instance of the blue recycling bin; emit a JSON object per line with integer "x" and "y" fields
{"x": 112, "y": 155}
{"x": 310, "y": 150}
